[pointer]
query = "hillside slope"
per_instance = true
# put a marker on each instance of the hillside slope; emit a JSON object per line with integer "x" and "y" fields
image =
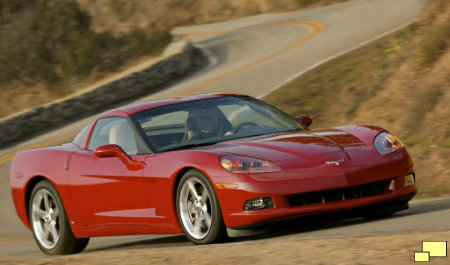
{"x": 50, "y": 49}
{"x": 401, "y": 83}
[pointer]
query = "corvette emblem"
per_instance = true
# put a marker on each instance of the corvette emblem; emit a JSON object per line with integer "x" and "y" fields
{"x": 337, "y": 162}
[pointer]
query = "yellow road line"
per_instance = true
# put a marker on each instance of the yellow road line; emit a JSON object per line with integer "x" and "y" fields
{"x": 8, "y": 157}
{"x": 313, "y": 27}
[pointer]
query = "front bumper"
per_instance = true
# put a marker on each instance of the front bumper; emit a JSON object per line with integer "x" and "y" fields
{"x": 390, "y": 171}
{"x": 284, "y": 211}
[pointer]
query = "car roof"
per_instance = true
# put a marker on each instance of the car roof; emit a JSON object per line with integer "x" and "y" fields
{"x": 132, "y": 109}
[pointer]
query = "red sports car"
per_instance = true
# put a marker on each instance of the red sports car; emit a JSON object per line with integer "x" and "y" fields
{"x": 198, "y": 165}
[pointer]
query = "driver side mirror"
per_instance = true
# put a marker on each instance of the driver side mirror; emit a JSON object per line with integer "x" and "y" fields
{"x": 113, "y": 150}
{"x": 305, "y": 120}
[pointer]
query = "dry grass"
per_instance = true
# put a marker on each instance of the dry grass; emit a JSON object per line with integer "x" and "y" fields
{"x": 438, "y": 39}
{"x": 386, "y": 249}
{"x": 392, "y": 84}
{"x": 354, "y": 78}
{"x": 437, "y": 44}
{"x": 50, "y": 49}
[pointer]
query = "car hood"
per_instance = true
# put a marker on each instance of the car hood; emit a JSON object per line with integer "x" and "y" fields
{"x": 330, "y": 146}
{"x": 331, "y": 158}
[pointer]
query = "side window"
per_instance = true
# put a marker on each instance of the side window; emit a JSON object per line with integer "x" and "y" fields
{"x": 113, "y": 131}
{"x": 78, "y": 139}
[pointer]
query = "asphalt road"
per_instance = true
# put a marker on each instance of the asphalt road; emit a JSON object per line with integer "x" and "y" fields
{"x": 253, "y": 56}
{"x": 423, "y": 215}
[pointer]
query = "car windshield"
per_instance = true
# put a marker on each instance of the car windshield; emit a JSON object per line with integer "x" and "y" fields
{"x": 210, "y": 121}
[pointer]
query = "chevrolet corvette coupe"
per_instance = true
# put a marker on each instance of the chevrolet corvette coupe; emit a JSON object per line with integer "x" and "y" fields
{"x": 199, "y": 165}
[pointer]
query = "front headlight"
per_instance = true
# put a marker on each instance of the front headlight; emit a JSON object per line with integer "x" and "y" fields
{"x": 386, "y": 143}
{"x": 241, "y": 164}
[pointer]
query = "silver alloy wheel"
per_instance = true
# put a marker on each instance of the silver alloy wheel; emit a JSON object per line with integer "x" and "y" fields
{"x": 195, "y": 208}
{"x": 45, "y": 219}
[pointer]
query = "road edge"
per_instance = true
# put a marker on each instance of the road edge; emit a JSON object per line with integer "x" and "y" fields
{"x": 178, "y": 59}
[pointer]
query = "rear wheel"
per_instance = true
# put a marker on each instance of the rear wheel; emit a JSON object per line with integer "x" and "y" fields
{"x": 49, "y": 222}
{"x": 198, "y": 209}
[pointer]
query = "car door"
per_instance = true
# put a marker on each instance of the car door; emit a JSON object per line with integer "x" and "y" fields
{"x": 104, "y": 190}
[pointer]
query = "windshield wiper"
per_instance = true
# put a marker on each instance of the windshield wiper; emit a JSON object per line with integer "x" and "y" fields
{"x": 264, "y": 133}
{"x": 229, "y": 138}
{"x": 291, "y": 130}
{"x": 188, "y": 146}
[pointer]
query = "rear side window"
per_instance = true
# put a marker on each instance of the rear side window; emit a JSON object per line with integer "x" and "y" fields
{"x": 78, "y": 140}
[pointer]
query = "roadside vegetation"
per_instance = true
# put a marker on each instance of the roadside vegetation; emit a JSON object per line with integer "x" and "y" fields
{"x": 401, "y": 83}
{"x": 50, "y": 49}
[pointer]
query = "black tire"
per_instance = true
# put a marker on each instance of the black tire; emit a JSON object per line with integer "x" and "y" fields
{"x": 48, "y": 220}
{"x": 374, "y": 214}
{"x": 196, "y": 210}
{"x": 383, "y": 210}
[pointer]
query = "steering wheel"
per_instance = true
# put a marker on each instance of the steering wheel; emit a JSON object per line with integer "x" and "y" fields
{"x": 242, "y": 125}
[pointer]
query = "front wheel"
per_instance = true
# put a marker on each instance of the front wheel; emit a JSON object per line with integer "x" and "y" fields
{"x": 198, "y": 209}
{"x": 49, "y": 222}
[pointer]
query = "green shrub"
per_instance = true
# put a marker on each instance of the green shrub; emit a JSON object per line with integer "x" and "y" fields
{"x": 56, "y": 46}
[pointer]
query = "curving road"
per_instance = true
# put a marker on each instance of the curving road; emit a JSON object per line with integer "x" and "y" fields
{"x": 254, "y": 56}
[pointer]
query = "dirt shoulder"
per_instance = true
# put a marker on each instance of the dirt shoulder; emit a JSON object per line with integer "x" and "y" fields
{"x": 390, "y": 249}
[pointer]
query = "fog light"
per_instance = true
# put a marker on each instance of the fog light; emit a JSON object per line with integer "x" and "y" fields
{"x": 258, "y": 204}
{"x": 409, "y": 180}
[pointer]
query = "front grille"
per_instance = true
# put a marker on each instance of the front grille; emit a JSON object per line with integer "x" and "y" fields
{"x": 342, "y": 194}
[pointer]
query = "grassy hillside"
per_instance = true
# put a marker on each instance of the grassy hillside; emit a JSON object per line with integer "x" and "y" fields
{"x": 50, "y": 49}
{"x": 401, "y": 83}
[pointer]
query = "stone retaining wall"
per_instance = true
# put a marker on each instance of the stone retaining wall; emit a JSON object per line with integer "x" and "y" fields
{"x": 178, "y": 59}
